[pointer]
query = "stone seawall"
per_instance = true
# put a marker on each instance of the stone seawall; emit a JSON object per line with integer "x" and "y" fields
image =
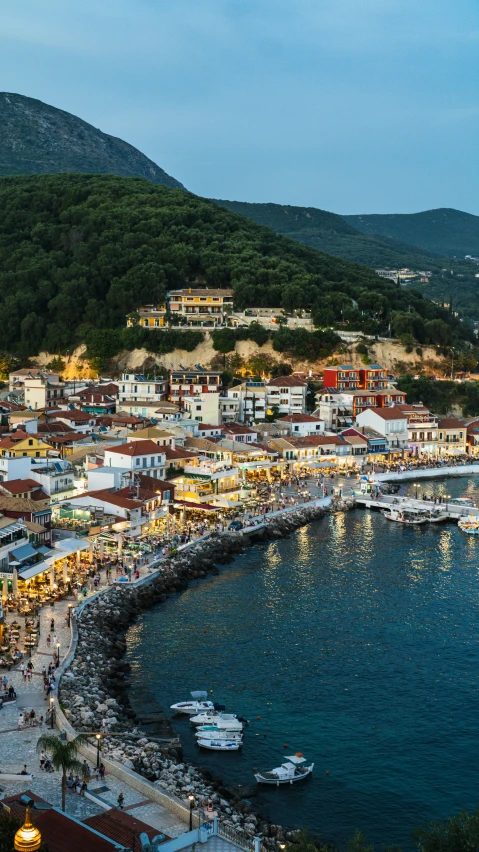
{"x": 95, "y": 686}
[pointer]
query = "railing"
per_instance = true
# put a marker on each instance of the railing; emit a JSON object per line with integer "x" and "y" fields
{"x": 235, "y": 835}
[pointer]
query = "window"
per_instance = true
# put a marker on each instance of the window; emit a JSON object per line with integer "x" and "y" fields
{"x": 30, "y": 442}
{"x": 137, "y": 462}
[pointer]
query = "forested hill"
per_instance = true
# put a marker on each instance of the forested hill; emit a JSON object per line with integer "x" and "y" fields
{"x": 331, "y": 233}
{"x": 79, "y": 252}
{"x": 444, "y": 231}
{"x": 37, "y": 138}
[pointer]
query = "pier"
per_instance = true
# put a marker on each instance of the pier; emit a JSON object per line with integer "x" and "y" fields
{"x": 451, "y": 509}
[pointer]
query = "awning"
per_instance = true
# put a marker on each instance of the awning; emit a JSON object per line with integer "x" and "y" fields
{"x": 66, "y": 546}
{"x": 28, "y": 573}
{"x": 204, "y": 507}
{"x": 44, "y": 550}
{"x": 24, "y": 552}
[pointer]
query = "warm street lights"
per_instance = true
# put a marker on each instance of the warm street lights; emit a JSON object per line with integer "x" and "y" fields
{"x": 52, "y": 712}
{"x": 192, "y": 804}
{"x": 58, "y": 653}
{"x": 28, "y": 838}
{"x": 98, "y": 742}
{"x": 69, "y": 613}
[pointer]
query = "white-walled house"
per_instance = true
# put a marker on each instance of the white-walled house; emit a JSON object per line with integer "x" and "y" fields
{"x": 302, "y": 425}
{"x": 139, "y": 457}
{"x": 390, "y": 422}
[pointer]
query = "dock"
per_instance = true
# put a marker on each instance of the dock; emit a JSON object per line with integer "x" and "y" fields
{"x": 452, "y": 510}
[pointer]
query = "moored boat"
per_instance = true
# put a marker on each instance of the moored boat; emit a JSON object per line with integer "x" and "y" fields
{"x": 406, "y": 516}
{"x": 198, "y": 704}
{"x": 469, "y": 525}
{"x": 205, "y": 732}
{"x": 220, "y": 745}
{"x": 288, "y": 773}
{"x": 224, "y": 721}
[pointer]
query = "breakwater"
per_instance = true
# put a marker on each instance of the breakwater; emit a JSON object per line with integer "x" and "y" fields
{"x": 96, "y": 685}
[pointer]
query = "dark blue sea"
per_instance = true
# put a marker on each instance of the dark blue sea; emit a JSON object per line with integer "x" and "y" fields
{"x": 355, "y": 641}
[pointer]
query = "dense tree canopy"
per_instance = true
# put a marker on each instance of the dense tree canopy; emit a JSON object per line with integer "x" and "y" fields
{"x": 79, "y": 252}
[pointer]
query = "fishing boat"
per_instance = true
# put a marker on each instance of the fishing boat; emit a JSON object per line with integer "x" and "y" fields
{"x": 469, "y": 525}
{"x": 224, "y": 721}
{"x": 205, "y": 732}
{"x": 198, "y": 704}
{"x": 288, "y": 773}
{"x": 405, "y": 515}
{"x": 220, "y": 745}
{"x": 436, "y": 516}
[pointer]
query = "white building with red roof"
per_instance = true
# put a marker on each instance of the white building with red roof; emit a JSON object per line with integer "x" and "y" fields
{"x": 139, "y": 457}
{"x": 287, "y": 395}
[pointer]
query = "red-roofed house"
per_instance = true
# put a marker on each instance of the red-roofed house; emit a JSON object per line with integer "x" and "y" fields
{"x": 302, "y": 425}
{"x": 390, "y": 422}
{"x": 287, "y": 395}
{"x": 239, "y": 432}
{"x": 138, "y": 456}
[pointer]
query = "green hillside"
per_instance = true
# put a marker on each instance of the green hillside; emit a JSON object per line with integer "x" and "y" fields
{"x": 331, "y": 233}
{"x": 79, "y": 252}
{"x": 39, "y": 139}
{"x": 443, "y": 231}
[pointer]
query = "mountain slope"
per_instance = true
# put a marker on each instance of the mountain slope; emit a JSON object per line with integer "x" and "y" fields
{"x": 79, "y": 252}
{"x": 443, "y": 231}
{"x": 331, "y": 233}
{"x": 39, "y": 139}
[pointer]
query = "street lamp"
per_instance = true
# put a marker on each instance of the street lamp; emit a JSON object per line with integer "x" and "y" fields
{"x": 415, "y": 486}
{"x": 58, "y": 653}
{"x": 98, "y": 742}
{"x": 52, "y": 712}
{"x": 69, "y": 613}
{"x": 192, "y": 804}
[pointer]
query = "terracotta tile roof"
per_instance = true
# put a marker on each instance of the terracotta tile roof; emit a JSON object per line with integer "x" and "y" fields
{"x": 178, "y": 454}
{"x": 74, "y": 416}
{"x": 21, "y": 486}
{"x": 150, "y": 484}
{"x": 60, "y": 832}
{"x": 206, "y": 427}
{"x": 55, "y": 428}
{"x": 69, "y": 438}
{"x": 115, "y": 498}
{"x": 22, "y": 504}
{"x": 299, "y": 418}
{"x": 122, "y": 827}
{"x": 137, "y": 448}
{"x": 237, "y": 429}
{"x": 286, "y": 382}
{"x": 393, "y": 413}
{"x": 449, "y": 423}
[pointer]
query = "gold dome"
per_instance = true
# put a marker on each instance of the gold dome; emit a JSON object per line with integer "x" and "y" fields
{"x": 28, "y": 837}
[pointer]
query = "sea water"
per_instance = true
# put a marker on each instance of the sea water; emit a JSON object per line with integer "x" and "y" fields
{"x": 355, "y": 642}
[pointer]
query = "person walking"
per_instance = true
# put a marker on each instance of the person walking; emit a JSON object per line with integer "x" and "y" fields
{"x": 121, "y": 801}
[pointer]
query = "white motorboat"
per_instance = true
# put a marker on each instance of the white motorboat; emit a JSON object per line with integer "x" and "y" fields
{"x": 406, "y": 516}
{"x": 224, "y": 721}
{"x": 204, "y": 732}
{"x": 220, "y": 745}
{"x": 198, "y": 704}
{"x": 469, "y": 525}
{"x": 288, "y": 773}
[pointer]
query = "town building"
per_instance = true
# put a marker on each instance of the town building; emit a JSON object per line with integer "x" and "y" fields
{"x": 193, "y": 382}
{"x": 148, "y": 316}
{"x": 372, "y": 377}
{"x": 422, "y": 429}
{"x": 390, "y": 422}
{"x": 203, "y": 407}
{"x": 23, "y": 444}
{"x": 302, "y": 425}
{"x": 286, "y": 395}
{"x": 138, "y": 456}
{"x": 239, "y": 432}
{"x": 451, "y": 437}
{"x": 244, "y": 403}
{"x": 201, "y": 306}
{"x": 133, "y": 387}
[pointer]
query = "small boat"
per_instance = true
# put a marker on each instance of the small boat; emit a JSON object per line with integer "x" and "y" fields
{"x": 224, "y": 721}
{"x": 406, "y": 516}
{"x": 205, "y": 732}
{"x": 288, "y": 773}
{"x": 220, "y": 745}
{"x": 199, "y": 704}
{"x": 469, "y": 525}
{"x": 436, "y": 516}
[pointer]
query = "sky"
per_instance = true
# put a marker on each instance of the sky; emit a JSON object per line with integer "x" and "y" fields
{"x": 353, "y": 106}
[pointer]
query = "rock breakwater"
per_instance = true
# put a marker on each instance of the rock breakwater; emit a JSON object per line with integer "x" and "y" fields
{"x": 94, "y": 691}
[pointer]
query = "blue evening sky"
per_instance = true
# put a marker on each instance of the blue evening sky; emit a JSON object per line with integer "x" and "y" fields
{"x": 355, "y": 106}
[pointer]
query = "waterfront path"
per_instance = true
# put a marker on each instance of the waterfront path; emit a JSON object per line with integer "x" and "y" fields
{"x": 18, "y": 747}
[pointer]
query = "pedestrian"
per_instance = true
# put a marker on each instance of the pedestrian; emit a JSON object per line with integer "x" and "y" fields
{"x": 43, "y": 758}
{"x": 102, "y": 771}
{"x": 83, "y": 788}
{"x": 121, "y": 800}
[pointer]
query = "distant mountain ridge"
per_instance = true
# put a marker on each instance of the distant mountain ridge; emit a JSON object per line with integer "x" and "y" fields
{"x": 331, "y": 233}
{"x": 37, "y": 138}
{"x": 444, "y": 231}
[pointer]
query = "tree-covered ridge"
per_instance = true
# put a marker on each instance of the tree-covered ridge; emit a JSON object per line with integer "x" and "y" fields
{"x": 444, "y": 231}
{"x": 37, "y": 138}
{"x": 80, "y": 252}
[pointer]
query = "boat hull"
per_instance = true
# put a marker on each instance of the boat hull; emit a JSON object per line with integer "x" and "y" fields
{"x": 220, "y": 745}
{"x": 280, "y": 782}
{"x": 192, "y": 708}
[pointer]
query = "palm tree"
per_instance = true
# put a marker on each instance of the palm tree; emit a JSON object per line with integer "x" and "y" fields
{"x": 63, "y": 755}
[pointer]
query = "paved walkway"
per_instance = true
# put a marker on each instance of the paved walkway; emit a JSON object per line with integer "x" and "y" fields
{"x": 18, "y": 747}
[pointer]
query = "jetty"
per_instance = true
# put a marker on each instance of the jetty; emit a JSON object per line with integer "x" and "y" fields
{"x": 451, "y": 509}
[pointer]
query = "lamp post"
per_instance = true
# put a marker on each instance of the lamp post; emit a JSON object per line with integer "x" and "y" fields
{"x": 52, "y": 712}
{"x": 98, "y": 745}
{"x": 69, "y": 613}
{"x": 58, "y": 653}
{"x": 192, "y": 804}
{"x": 415, "y": 486}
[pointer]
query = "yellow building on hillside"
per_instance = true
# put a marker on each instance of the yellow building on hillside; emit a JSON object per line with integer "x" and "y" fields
{"x": 149, "y": 316}
{"x": 22, "y": 444}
